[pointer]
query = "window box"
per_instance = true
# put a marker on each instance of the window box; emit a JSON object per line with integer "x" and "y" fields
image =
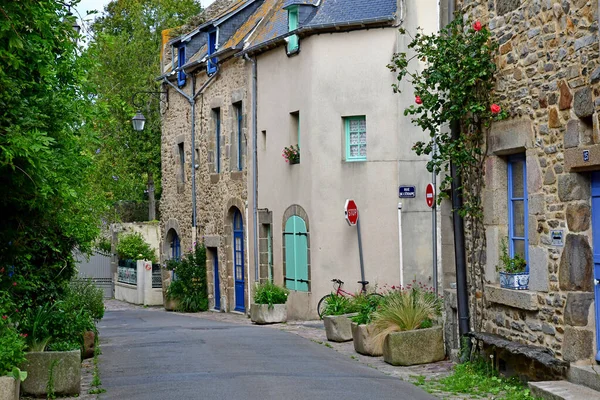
{"x": 516, "y": 281}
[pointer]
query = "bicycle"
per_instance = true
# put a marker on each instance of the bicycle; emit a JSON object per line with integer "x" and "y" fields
{"x": 341, "y": 292}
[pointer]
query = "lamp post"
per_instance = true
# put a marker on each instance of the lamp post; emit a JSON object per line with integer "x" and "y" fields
{"x": 75, "y": 25}
{"x": 138, "y": 122}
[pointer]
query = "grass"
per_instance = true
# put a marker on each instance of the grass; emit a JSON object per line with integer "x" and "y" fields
{"x": 96, "y": 383}
{"x": 479, "y": 379}
{"x": 328, "y": 345}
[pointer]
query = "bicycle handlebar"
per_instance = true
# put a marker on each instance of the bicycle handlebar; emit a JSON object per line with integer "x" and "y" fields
{"x": 337, "y": 281}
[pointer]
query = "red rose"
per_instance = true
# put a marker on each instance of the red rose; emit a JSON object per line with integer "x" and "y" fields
{"x": 477, "y": 26}
{"x": 495, "y": 108}
{"x": 4, "y": 317}
{"x": 418, "y": 100}
{"x": 14, "y": 283}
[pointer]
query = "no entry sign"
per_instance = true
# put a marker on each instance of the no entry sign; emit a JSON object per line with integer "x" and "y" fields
{"x": 430, "y": 195}
{"x": 351, "y": 212}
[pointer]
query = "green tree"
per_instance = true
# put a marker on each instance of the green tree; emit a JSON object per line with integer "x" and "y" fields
{"x": 125, "y": 47}
{"x": 46, "y": 203}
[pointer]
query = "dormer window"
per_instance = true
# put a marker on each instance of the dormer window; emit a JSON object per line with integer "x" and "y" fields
{"x": 211, "y": 65}
{"x": 292, "y": 45}
{"x": 181, "y": 63}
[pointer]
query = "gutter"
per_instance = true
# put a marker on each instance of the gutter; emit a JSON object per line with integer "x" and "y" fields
{"x": 254, "y": 164}
{"x": 311, "y": 29}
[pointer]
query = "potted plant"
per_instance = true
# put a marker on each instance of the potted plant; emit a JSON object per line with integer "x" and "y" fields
{"x": 291, "y": 154}
{"x": 512, "y": 270}
{"x": 406, "y": 325}
{"x": 362, "y": 329}
{"x": 336, "y": 318}
{"x": 269, "y": 304}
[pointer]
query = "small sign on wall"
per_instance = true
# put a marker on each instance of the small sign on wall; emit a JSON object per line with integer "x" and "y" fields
{"x": 586, "y": 155}
{"x": 557, "y": 237}
{"x": 406, "y": 192}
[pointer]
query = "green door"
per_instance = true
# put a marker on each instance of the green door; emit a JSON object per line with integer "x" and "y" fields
{"x": 296, "y": 254}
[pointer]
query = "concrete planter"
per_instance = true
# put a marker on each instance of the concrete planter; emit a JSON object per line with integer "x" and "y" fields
{"x": 420, "y": 346}
{"x": 66, "y": 372}
{"x": 338, "y": 327}
{"x": 9, "y": 388}
{"x": 263, "y": 314}
{"x": 363, "y": 340}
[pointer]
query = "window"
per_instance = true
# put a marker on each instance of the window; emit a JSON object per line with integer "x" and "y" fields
{"x": 211, "y": 66}
{"x": 295, "y": 128}
{"x": 356, "y": 138}
{"x": 517, "y": 207}
{"x": 217, "y": 120}
{"x": 181, "y": 162}
{"x": 296, "y": 254}
{"x": 238, "y": 136}
{"x": 181, "y": 63}
{"x": 292, "y": 45}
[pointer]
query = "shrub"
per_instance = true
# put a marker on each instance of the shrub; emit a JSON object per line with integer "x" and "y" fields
{"x": 103, "y": 244}
{"x": 269, "y": 293}
{"x": 406, "y": 310}
{"x": 83, "y": 293}
{"x": 132, "y": 246}
{"x": 12, "y": 345}
{"x": 365, "y": 305}
{"x": 189, "y": 287}
{"x": 339, "y": 305}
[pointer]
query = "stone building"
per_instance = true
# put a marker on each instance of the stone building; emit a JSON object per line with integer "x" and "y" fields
{"x": 542, "y": 191}
{"x": 202, "y": 62}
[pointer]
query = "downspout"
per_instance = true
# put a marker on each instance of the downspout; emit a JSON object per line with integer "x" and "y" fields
{"x": 462, "y": 294}
{"x": 254, "y": 165}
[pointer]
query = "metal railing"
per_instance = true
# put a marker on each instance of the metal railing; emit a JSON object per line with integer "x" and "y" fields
{"x": 156, "y": 276}
{"x": 127, "y": 272}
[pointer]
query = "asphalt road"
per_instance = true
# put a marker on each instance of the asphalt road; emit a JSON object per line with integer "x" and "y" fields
{"x": 149, "y": 354}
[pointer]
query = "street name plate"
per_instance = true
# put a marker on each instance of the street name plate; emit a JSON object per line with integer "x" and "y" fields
{"x": 406, "y": 192}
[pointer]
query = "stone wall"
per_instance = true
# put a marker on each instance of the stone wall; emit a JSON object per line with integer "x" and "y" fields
{"x": 548, "y": 83}
{"x": 217, "y": 194}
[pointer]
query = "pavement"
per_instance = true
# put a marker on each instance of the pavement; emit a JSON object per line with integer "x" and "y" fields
{"x": 148, "y": 354}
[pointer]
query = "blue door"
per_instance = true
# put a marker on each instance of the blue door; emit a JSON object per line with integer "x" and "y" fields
{"x": 596, "y": 240}
{"x": 217, "y": 281}
{"x": 238, "y": 260}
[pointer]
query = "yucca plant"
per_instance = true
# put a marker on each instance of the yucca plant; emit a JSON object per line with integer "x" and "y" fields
{"x": 405, "y": 310}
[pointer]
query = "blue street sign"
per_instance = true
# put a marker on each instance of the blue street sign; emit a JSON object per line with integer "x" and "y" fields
{"x": 406, "y": 192}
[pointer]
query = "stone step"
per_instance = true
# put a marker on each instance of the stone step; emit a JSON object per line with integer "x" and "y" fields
{"x": 586, "y": 375}
{"x": 562, "y": 390}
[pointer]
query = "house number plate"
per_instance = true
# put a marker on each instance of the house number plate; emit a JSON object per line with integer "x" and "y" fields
{"x": 586, "y": 155}
{"x": 557, "y": 237}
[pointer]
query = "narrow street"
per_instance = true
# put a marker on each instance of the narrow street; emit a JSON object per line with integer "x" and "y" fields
{"x": 151, "y": 354}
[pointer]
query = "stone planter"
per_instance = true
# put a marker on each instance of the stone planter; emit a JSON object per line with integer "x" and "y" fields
{"x": 363, "y": 340}
{"x": 338, "y": 327}
{"x": 518, "y": 281}
{"x": 420, "y": 346}
{"x": 66, "y": 372}
{"x": 9, "y": 388}
{"x": 263, "y": 314}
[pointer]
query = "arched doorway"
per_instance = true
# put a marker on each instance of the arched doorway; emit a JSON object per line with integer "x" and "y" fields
{"x": 238, "y": 260}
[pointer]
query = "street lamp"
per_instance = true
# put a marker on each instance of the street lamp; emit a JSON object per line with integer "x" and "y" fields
{"x": 138, "y": 121}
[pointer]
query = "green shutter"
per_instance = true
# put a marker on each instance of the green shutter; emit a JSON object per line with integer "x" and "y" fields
{"x": 296, "y": 254}
{"x": 292, "y": 25}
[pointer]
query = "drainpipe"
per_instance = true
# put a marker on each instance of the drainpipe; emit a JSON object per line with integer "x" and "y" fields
{"x": 462, "y": 293}
{"x": 254, "y": 164}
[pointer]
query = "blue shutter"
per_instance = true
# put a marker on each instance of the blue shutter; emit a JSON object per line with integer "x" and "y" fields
{"x": 517, "y": 207}
{"x": 180, "y": 63}
{"x": 211, "y": 65}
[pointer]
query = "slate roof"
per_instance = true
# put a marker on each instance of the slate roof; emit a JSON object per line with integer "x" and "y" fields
{"x": 288, "y": 3}
{"x": 340, "y": 11}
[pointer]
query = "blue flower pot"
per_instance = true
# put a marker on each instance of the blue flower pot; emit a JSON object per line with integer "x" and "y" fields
{"x": 517, "y": 281}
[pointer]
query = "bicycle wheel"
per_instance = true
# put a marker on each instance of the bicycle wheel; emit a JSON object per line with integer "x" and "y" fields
{"x": 322, "y": 305}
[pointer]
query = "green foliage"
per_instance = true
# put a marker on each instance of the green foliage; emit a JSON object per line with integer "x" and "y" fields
{"x": 454, "y": 83}
{"x": 509, "y": 264}
{"x": 12, "y": 348}
{"x": 84, "y": 294}
{"x": 124, "y": 53}
{"x": 478, "y": 378}
{"x": 366, "y": 306}
{"x": 103, "y": 244}
{"x": 189, "y": 289}
{"x": 269, "y": 293}
{"x": 132, "y": 246}
{"x": 48, "y": 208}
{"x": 339, "y": 305}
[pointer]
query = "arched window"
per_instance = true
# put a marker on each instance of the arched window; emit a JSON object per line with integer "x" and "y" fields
{"x": 175, "y": 247}
{"x": 238, "y": 260}
{"x": 296, "y": 254}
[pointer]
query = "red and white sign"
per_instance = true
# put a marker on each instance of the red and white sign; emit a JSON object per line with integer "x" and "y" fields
{"x": 351, "y": 212}
{"x": 430, "y": 195}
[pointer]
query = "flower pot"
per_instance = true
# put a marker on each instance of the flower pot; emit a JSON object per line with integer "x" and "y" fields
{"x": 420, "y": 346}
{"x": 338, "y": 327}
{"x": 517, "y": 281}
{"x": 9, "y": 388}
{"x": 263, "y": 314}
{"x": 66, "y": 372}
{"x": 363, "y": 340}
{"x": 295, "y": 161}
